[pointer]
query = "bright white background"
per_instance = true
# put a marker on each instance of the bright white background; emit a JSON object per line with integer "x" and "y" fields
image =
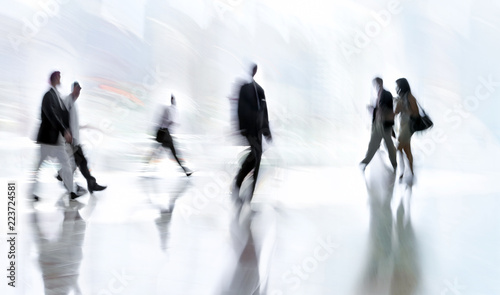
{"x": 316, "y": 63}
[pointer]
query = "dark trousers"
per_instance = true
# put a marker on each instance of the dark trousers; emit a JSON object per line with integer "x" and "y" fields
{"x": 81, "y": 163}
{"x": 381, "y": 131}
{"x": 252, "y": 161}
{"x": 163, "y": 136}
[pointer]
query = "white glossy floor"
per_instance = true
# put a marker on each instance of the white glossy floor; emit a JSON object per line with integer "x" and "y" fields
{"x": 311, "y": 230}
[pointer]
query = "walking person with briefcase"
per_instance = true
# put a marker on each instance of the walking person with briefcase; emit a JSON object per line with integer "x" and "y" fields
{"x": 163, "y": 134}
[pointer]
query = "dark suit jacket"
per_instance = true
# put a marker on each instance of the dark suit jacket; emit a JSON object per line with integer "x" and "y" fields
{"x": 384, "y": 107}
{"x": 253, "y": 121}
{"x": 55, "y": 119}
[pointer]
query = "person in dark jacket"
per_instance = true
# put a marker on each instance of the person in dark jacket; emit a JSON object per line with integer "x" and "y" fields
{"x": 382, "y": 123}
{"x": 254, "y": 123}
{"x": 54, "y": 131}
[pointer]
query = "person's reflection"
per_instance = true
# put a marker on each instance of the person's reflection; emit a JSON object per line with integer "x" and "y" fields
{"x": 162, "y": 223}
{"x": 60, "y": 257}
{"x": 406, "y": 273}
{"x": 392, "y": 266}
{"x": 166, "y": 210}
{"x": 253, "y": 238}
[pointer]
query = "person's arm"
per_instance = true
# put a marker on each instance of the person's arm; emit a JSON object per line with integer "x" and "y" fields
{"x": 413, "y": 105}
{"x": 242, "y": 112}
{"x": 266, "y": 131}
{"x": 398, "y": 108}
{"x": 73, "y": 117}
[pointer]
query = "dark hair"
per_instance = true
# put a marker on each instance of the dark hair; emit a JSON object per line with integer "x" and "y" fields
{"x": 254, "y": 69}
{"x": 403, "y": 85}
{"x": 53, "y": 76}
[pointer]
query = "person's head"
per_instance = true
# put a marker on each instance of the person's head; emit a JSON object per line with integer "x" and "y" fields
{"x": 172, "y": 100}
{"x": 254, "y": 69}
{"x": 55, "y": 78}
{"x": 402, "y": 86}
{"x": 378, "y": 83}
{"x": 75, "y": 90}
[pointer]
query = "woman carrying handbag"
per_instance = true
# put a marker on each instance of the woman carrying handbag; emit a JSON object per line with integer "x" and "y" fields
{"x": 407, "y": 108}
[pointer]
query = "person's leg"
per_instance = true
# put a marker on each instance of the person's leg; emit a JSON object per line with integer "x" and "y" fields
{"x": 407, "y": 150}
{"x": 60, "y": 153}
{"x": 70, "y": 150}
{"x": 44, "y": 153}
{"x": 390, "y": 147}
{"x": 155, "y": 154}
{"x": 169, "y": 143}
{"x": 81, "y": 162}
{"x": 399, "y": 151}
{"x": 256, "y": 150}
{"x": 375, "y": 139}
{"x": 246, "y": 167}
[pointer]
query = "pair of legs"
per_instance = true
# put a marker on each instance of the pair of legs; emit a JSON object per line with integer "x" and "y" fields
{"x": 168, "y": 143}
{"x": 252, "y": 162}
{"x": 405, "y": 147}
{"x": 58, "y": 152}
{"x": 379, "y": 132}
{"x": 77, "y": 159}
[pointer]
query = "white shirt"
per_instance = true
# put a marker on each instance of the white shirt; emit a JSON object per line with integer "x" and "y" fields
{"x": 169, "y": 116}
{"x": 74, "y": 127}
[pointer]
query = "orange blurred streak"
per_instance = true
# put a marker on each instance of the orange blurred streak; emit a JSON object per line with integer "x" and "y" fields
{"x": 122, "y": 92}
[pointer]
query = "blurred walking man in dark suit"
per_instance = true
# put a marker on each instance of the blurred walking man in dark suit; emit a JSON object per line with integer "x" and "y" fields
{"x": 54, "y": 131}
{"x": 382, "y": 122}
{"x": 254, "y": 123}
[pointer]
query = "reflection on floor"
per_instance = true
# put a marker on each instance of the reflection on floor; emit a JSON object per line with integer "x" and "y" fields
{"x": 309, "y": 231}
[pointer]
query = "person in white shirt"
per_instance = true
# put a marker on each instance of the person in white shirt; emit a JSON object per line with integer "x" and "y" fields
{"x": 74, "y": 149}
{"x": 163, "y": 136}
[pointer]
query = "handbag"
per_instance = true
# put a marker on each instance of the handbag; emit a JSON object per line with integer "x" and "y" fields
{"x": 420, "y": 123}
{"x": 163, "y": 136}
{"x": 160, "y": 135}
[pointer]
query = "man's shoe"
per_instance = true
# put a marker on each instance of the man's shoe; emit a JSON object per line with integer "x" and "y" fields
{"x": 96, "y": 188}
{"x": 59, "y": 177}
{"x": 35, "y": 198}
{"x": 187, "y": 171}
{"x": 73, "y": 196}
